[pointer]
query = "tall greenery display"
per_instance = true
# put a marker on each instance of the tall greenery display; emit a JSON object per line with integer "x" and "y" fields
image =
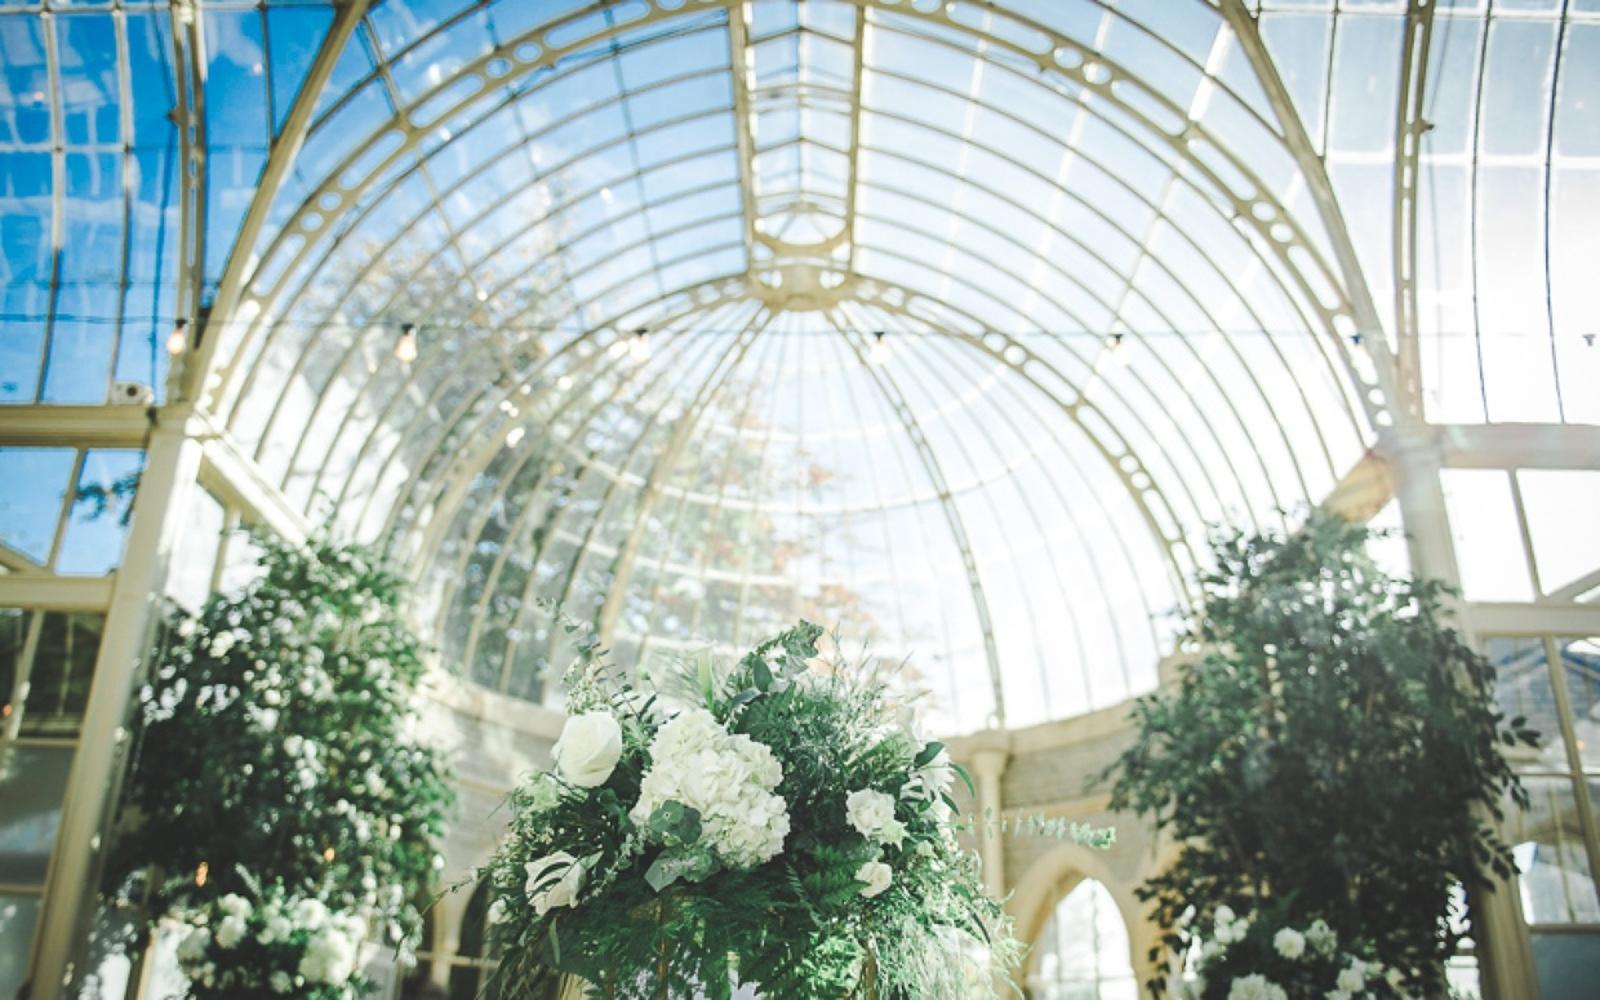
{"x": 1328, "y": 758}
{"x": 282, "y": 804}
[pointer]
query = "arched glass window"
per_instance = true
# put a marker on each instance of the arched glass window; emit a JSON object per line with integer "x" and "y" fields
{"x": 1082, "y": 953}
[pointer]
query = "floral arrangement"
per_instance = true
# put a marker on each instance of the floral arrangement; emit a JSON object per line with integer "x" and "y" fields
{"x": 276, "y": 735}
{"x": 768, "y": 823}
{"x": 1257, "y": 957}
{"x": 279, "y": 945}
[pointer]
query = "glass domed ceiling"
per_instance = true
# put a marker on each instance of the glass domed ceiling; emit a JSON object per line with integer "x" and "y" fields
{"x": 1135, "y": 267}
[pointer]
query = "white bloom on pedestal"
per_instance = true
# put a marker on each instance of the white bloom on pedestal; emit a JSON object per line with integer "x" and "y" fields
{"x": 1291, "y": 944}
{"x": 872, "y": 814}
{"x": 589, "y": 748}
{"x": 877, "y": 877}
{"x": 554, "y": 880}
{"x": 1256, "y": 987}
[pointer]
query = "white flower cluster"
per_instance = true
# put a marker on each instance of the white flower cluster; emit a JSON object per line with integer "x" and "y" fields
{"x": 310, "y": 944}
{"x": 1318, "y": 940}
{"x": 729, "y": 779}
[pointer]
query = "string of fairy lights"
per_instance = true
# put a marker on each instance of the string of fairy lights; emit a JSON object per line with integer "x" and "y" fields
{"x": 408, "y": 336}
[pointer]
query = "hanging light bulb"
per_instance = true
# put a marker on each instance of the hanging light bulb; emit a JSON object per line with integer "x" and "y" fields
{"x": 639, "y": 347}
{"x": 200, "y": 874}
{"x": 878, "y": 353}
{"x": 405, "y": 349}
{"x": 1114, "y": 354}
{"x": 178, "y": 339}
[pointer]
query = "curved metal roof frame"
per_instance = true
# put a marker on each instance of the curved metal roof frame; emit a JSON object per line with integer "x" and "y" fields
{"x": 413, "y": 468}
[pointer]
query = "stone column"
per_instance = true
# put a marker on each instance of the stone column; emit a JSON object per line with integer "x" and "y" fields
{"x": 989, "y": 768}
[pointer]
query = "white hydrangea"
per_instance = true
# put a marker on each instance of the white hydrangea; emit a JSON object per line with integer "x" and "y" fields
{"x": 281, "y": 982}
{"x": 728, "y": 779}
{"x": 1290, "y": 943}
{"x": 1256, "y": 987}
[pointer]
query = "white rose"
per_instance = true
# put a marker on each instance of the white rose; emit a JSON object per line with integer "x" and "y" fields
{"x": 1322, "y": 937}
{"x": 281, "y": 983}
{"x": 1291, "y": 944}
{"x": 877, "y": 877}
{"x": 1353, "y": 977}
{"x": 1255, "y": 987}
{"x": 498, "y": 911}
{"x": 234, "y": 905}
{"x": 589, "y": 748}
{"x": 553, "y": 881}
{"x": 230, "y": 931}
{"x": 872, "y": 814}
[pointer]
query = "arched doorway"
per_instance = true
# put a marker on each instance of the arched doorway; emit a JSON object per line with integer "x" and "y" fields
{"x": 1082, "y": 952}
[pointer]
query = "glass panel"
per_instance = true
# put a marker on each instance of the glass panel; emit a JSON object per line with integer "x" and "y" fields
{"x": 1560, "y": 505}
{"x": 33, "y": 483}
{"x": 63, "y": 668}
{"x": 101, "y": 511}
{"x": 13, "y": 633}
{"x": 1483, "y": 522}
{"x": 1522, "y": 687}
{"x": 32, "y": 780}
{"x": 18, "y": 915}
{"x": 1580, "y": 667}
{"x": 1557, "y": 885}
{"x": 189, "y": 577}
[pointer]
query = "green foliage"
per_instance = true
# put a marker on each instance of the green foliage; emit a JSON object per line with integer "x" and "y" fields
{"x": 659, "y": 917}
{"x": 1330, "y": 753}
{"x": 276, "y": 737}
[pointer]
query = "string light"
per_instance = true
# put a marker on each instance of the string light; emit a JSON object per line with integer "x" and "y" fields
{"x": 328, "y": 854}
{"x": 200, "y": 874}
{"x": 405, "y": 349}
{"x": 639, "y": 347}
{"x": 178, "y": 339}
{"x": 878, "y": 353}
{"x": 1113, "y": 355}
